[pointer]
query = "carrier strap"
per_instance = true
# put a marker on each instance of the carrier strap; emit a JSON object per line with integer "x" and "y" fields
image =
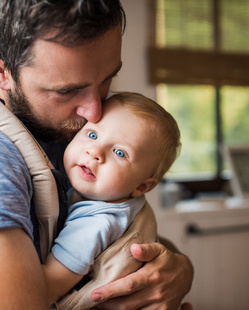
{"x": 45, "y": 193}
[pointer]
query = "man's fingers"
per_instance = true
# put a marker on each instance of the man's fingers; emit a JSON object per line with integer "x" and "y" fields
{"x": 147, "y": 288}
{"x": 121, "y": 287}
{"x": 146, "y": 252}
{"x": 134, "y": 281}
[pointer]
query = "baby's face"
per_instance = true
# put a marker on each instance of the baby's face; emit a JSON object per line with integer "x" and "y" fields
{"x": 108, "y": 160}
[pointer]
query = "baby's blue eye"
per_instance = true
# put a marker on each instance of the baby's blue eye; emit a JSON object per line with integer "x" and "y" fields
{"x": 92, "y": 135}
{"x": 118, "y": 152}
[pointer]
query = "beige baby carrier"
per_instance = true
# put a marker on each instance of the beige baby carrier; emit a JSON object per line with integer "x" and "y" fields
{"x": 113, "y": 263}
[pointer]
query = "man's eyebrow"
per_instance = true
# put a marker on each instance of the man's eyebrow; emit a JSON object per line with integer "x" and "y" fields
{"x": 115, "y": 72}
{"x": 69, "y": 87}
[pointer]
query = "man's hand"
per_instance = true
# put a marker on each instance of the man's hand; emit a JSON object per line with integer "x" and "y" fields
{"x": 160, "y": 284}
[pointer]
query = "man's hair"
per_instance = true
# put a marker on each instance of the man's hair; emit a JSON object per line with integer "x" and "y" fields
{"x": 162, "y": 126}
{"x": 68, "y": 22}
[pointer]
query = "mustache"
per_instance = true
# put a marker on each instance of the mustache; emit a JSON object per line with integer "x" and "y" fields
{"x": 72, "y": 125}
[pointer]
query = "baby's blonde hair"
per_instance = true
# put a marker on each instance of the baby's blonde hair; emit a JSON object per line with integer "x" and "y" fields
{"x": 163, "y": 126}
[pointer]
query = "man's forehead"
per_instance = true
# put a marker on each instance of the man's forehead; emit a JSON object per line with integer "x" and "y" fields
{"x": 96, "y": 62}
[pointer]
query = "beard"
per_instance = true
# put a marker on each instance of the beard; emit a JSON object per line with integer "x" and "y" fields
{"x": 21, "y": 107}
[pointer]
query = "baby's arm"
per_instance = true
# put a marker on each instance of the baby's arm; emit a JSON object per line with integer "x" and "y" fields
{"x": 59, "y": 279}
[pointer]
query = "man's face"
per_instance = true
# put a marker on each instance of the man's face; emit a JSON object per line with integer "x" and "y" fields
{"x": 65, "y": 86}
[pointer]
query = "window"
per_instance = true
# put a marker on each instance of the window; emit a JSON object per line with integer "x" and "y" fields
{"x": 187, "y": 104}
{"x": 199, "y": 61}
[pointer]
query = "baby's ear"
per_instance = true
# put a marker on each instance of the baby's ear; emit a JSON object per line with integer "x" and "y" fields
{"x": 4, "y": 77}
{"x": 144, "y": 187}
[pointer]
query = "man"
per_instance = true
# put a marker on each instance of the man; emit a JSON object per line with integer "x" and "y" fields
{"x": 57, "y": 61}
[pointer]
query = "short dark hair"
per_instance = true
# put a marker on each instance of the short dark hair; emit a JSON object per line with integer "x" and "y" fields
{"x": 70, "y": 21}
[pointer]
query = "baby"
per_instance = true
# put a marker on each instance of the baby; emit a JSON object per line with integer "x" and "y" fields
{"x": 112, "y": 164}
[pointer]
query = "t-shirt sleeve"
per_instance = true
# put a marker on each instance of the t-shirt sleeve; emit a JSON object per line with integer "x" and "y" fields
{"x": 83, "y": 239}
{"x": 90, "y": 228}
{"x": 15, "y": 188}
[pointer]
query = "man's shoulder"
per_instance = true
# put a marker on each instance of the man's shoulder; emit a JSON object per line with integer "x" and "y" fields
{"x": 9, "y": 152}
{"x": 12, "y": 165}
{"x": 15, "y": 187}
{"x": 8, "y": 149}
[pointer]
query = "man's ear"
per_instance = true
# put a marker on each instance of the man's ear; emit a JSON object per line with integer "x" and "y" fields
{"x": 144, "y": 187}
{"x": 4, "y": 77}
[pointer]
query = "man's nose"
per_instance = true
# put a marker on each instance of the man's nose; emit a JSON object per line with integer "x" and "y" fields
{"x": 90, "y": 107}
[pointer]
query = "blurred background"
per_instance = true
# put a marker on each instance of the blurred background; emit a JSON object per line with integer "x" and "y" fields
{"x": 192, "y": 57}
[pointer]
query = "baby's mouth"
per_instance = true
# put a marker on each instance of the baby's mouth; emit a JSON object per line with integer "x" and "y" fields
{"x": 87, "y": 170}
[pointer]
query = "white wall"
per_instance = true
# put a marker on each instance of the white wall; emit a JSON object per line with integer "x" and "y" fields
{"x": 134, "y": 74}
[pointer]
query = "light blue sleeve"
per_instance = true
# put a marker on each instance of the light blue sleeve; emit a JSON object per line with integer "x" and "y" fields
{"x": 90, "y": 228}
{"x": 84, "y": 238}
{"x": 15, "y": 188}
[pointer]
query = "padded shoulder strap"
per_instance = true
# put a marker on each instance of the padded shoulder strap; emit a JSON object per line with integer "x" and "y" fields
{"x": 115, "y": 262}
{"x": 44, "y": 186}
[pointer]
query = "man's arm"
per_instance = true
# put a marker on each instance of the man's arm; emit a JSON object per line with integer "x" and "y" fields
{"x": 22, "y": 284}
{"x": 164, "y": 280}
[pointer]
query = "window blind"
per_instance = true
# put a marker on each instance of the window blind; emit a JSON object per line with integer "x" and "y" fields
{"x": 200, "y": 42}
